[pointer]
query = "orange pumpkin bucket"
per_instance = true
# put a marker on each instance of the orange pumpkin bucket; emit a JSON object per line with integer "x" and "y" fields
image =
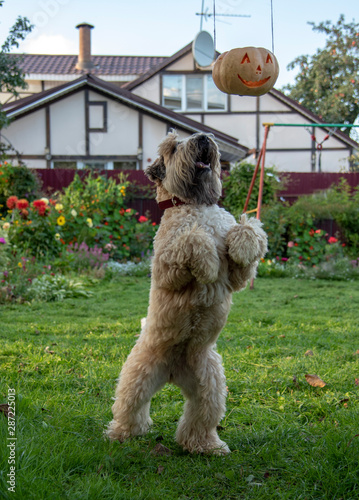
{"x": 246, "y": 71}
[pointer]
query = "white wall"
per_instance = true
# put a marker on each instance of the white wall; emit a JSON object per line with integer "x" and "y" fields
{"x": 28, "y": 134}
{"x": 121, "y": 137}
{"x": 153, "y": 132}
{"x": 149, "y": 90}
{"x": 67, "y": 123}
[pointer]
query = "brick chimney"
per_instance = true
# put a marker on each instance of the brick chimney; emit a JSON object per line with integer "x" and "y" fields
{"x": 84, "y": 62}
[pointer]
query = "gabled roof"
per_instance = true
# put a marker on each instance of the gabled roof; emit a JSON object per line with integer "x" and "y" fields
{"x": 311, "y": 116}
{"x": 160, "y": 67}
{"x": 63, "y": 65}
{"x": 230, "y": 149}
{"x": 275, "y": 93}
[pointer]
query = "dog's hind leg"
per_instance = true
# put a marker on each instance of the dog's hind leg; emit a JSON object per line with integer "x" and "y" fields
{"x": 141, "y": 376}
{"x": 203, "y": 384}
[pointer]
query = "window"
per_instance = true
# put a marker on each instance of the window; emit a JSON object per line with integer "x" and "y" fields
{"x": 216, "y": 100}
{"x": 172, "y": 92}
{"x": 192, "y": 93}
{"x": 97, "y": 116}
{"x": 65, "y": 164}
{"x": 124, "y": 165}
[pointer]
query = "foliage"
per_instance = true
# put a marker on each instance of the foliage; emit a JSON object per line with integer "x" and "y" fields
{"x": 94, "y": 211}
{"x": 276, "y": 224}
{"x": 17, "y": 273}
{"x": 84, "y": 258}
{"x": 236, "y": 186}
{"x": 341, "y": 204}
{"x": 288, "y": 440}
{"x": 328, "y": 82}
{"x": 90, "y": 212}
{"x": 55, "y": 288}
{"x": 17, "y": 181}
{"x": 11, "y": 75}
{"x": 32, "y": 229}
{"x": 116, "y": 270}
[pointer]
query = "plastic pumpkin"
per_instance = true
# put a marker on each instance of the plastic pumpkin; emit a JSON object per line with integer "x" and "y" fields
{"x": 246, "y": 71}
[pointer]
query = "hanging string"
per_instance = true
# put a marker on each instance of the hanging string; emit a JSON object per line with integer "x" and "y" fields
{"x": 214, "y": 25}
{"x": 271, "y": 13}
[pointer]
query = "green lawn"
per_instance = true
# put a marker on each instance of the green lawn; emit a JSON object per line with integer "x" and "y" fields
{"x": 288, "y": 440}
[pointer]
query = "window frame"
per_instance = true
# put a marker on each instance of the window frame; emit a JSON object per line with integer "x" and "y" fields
{"x": 184, "y": 108}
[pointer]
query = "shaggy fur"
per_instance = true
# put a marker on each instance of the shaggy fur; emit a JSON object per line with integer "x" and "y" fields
{"x": 201, "y": 256}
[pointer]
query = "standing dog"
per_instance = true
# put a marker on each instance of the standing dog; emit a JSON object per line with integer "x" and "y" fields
{"x": 201, "y": 256}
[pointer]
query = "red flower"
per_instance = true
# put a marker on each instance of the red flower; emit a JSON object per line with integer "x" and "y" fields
{"x": 40, "y": 206}
{"x": 122, "y": 211}
{"x": 11, "y": 202}
{"x": 142, "y": 218}
{"x": 22, "y": 204}
{"x": 311, "y": 232}
{"x": 332, "y": 240}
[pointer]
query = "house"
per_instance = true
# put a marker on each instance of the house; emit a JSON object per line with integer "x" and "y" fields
{"x": 115, "y": 118}
{"x": 89, "y": 122}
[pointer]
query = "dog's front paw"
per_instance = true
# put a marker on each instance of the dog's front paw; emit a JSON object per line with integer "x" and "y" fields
{"x": 246, "y": 241}
{"x": 203, "y": 260}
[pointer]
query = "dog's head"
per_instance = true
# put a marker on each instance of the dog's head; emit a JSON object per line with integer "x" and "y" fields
{"x": 189, "y": 169}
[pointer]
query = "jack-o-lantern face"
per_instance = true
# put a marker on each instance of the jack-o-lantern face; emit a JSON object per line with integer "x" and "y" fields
{"x": 246, "y": 71}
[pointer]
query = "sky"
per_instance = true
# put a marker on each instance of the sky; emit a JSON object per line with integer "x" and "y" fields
{"x": 162, "y": 27}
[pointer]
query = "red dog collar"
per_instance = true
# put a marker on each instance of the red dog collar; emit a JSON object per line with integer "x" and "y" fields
{"x": 172, "y": 202}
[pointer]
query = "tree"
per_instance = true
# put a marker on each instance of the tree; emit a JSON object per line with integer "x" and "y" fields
{"x": 328, "y": 82}
{"x": 11, "y": 75}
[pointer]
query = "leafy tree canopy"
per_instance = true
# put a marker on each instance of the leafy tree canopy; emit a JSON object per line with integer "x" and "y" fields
{"x": 328, "y": 82}
{"x": 11, "y": 75}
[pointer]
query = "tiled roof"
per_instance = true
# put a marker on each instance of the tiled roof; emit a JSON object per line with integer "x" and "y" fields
{"x": 104, "y": 65}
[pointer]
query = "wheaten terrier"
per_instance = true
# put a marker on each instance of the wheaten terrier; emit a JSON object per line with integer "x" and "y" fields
{"x": 201, "y": 256}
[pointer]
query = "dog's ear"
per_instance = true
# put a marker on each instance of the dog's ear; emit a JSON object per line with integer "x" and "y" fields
{"x": 169, "y": 144}
{"x": 157, "y": 171}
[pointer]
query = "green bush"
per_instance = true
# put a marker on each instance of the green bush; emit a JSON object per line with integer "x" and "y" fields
{"x": 92, "y": 212}
{"x": 17, "y": 181}
{"x": 236, "y": 186}
{"x": 339, "y": 203}
{"x": 49, "y": 288}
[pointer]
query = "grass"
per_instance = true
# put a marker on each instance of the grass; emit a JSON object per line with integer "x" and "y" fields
{"x": 288, "y": 440}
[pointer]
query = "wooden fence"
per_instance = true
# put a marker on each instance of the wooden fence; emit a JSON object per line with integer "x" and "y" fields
{"x": 296, "y": 184}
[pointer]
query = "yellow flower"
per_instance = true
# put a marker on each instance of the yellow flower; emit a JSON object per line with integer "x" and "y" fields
{"x": 59, "y": 206}
{"x": 6, "y": 226}
{"x": 57, "y": 236}
{"x": 61, "y": 220}
{"x": 89, "y": 222}
{"x": 45, "y": 200}
{"x": 19, "y": 264}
